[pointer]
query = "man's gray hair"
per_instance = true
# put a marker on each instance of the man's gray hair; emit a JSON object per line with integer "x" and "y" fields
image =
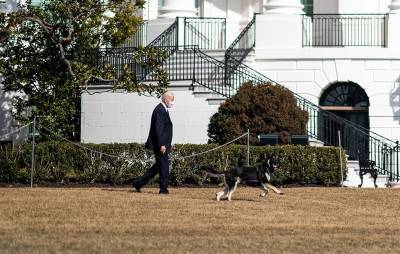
{"x": 167, "y": 94}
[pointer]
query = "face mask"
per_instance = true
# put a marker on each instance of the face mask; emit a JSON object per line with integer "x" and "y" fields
{"x": 170, "y": 104}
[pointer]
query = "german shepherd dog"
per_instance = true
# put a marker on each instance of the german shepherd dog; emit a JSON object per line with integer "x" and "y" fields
{"x": 259, "y": 175}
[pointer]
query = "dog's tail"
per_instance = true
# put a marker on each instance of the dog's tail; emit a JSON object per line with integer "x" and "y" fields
{"x": 211, "y": 174}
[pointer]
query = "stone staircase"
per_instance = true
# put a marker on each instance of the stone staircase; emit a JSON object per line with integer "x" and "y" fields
{"x": 198, "y": 91}
{"x": 182, "y": 61}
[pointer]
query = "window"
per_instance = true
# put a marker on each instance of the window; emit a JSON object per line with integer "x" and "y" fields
{"x": 36, "y": 2}
{"x": 344, "y": 94}
{"x": 308, "y": 6}
{"x": 197, "y": 3}
{"x": 161, "y": 3}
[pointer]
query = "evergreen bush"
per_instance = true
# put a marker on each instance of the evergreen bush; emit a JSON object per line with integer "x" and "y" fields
{"x": 61, "y": 162}
{"x": 261, "y": 108}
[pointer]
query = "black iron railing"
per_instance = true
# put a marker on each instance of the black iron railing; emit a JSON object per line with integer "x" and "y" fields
{"x": 243, "y": 44}
{"x": 237, "y": 52}
{"x": 168, "y": 38}
{"x": 118, "y": 61}
{"x": 139, "y": 38}
{"x": 179, "y": 65}
{"x": 212, "y": 73}
{"x": 343, "y": 30}
{"x": 355, "y": 139}
{"x": 207, "y": 33}
{"x": 113, "y": 63}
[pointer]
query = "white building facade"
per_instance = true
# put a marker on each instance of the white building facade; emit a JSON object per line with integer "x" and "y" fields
{"x": 341, "y": 55}
{"x": 328, "y": 52}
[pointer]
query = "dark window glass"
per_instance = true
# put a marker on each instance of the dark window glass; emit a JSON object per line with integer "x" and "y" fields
{"x": 344, "y": 94}
{"x": 308, "y": 6}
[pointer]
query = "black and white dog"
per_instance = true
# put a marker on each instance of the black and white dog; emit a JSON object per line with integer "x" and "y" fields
{"x": 258, "y": 175}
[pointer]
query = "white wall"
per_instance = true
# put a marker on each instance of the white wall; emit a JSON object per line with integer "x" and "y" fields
{"x": 7, "y": 123}
{"x": 237, "y": 13}
{"x": 363, "y": 6}
{"x": 5, "y": 116}
{"x": 215, "y": 8}
{"x": 324, "y": 6}
{"x": 9, "y": 5}
{"x": 124, "y": 118}
{"x": 351, "y": 6}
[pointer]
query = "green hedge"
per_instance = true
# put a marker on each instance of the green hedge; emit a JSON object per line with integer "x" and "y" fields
{"x": 61, "y": 162}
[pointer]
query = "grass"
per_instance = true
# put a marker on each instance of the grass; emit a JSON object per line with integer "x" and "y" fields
{"x": 189, "y": 220}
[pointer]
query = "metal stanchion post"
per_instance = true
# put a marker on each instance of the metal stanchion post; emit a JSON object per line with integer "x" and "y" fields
{"x": 340, "y": 158}
{"x": 248, "y": 147}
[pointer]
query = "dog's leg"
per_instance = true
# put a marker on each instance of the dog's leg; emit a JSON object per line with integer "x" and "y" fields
{"x": 264, "y": 190}
{"x": 233, "y": 189}
{"x": 374, "y": 172}
{"x": 361, "y": 176}
{"x": 276, "y": 190}
{"x": 222, "y": 193}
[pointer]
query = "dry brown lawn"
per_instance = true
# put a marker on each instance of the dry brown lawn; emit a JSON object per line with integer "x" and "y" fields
{"x": 189, "y": 220}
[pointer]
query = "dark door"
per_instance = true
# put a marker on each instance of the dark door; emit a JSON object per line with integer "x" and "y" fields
{"x": 346, "y": 110}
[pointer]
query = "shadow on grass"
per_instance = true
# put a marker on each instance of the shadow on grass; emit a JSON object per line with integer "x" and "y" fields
{"x": 119, "y": 190}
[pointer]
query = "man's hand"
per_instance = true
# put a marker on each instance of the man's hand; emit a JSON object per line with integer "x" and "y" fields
{"x": 163, "y": 149}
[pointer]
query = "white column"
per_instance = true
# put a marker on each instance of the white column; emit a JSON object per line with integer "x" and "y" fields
{"x": 178, "y": 8}
{"x": 150, "y": 10}
{"x": 393, "y": 36}
{"x": 394, "y": 6}
{"x": 280, "y": 25}
{"x": 283, "y": 7}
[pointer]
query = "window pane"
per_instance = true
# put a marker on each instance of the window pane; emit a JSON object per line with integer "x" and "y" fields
{"x": 36, "y": 2}
{"x": 308, "y": 6}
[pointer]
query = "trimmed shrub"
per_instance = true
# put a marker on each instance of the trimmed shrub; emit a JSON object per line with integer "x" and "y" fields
{"x": 261, "y": 108}
{"x": 61, "y": 162}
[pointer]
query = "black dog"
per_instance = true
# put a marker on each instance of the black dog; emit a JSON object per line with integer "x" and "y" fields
{"x": 259, "y": 175}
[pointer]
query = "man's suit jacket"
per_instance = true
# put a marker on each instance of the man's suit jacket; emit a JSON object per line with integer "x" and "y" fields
{"x": 160, "y": 133}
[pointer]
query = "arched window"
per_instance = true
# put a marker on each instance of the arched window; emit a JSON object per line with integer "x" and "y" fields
{"x": 347, "y": 94}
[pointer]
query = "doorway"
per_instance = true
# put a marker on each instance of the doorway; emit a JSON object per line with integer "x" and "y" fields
{"x": 347, "y": 110}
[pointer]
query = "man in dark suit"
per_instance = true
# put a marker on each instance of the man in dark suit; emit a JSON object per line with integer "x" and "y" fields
{"x": 159, "y": 140}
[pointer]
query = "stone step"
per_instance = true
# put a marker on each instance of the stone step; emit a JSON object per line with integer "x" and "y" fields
{"x": 353, "y": 178}
{"x": 216, "y": 100}
{"x": 199, "y": 91}
{"x": 180, "y": 85}
{"x": 315, "y": 142}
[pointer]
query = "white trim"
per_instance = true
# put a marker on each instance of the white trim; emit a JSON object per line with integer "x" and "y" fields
{"x": 328, "y": 53}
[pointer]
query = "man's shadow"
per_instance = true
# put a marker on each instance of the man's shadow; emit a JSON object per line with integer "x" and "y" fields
{"x": 394, "y": 100}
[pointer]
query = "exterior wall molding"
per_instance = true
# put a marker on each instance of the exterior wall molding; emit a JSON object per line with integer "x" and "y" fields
{"x": 394, "y": 6}
{"x": 178, "y": 8}
{"x": 328, "y": 53}
{"x": 283, "y": 7}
